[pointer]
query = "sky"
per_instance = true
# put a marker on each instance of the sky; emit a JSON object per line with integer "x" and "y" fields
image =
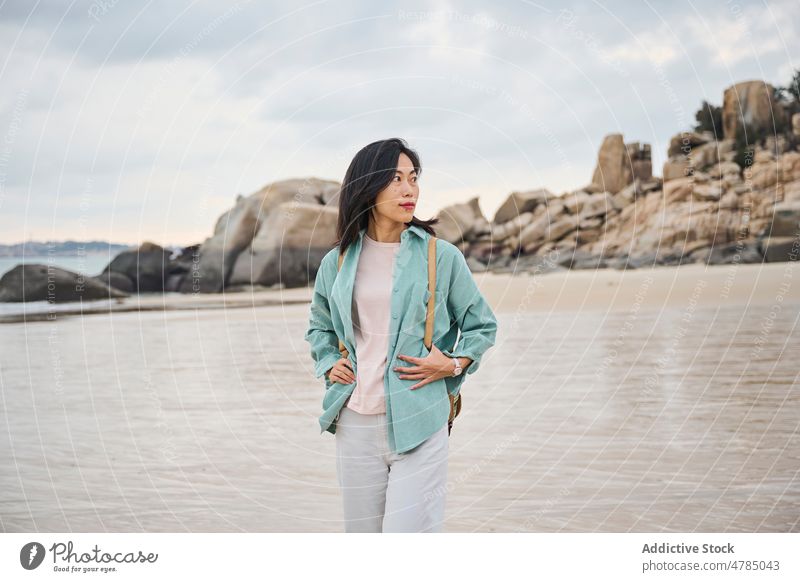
{"x": 134, "y": 121}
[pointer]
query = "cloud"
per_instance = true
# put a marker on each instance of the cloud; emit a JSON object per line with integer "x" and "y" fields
{"x": 164, "y": 104}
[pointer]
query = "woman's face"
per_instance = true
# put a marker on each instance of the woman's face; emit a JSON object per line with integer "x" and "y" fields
{"x": 398, "y": 200}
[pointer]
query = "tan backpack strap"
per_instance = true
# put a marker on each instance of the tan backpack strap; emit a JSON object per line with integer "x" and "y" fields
{"x": 432, "y": 288}
{"x": 342, "y": 349}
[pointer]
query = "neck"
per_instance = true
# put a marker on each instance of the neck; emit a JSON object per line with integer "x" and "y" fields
{"x": 386, "y": 232}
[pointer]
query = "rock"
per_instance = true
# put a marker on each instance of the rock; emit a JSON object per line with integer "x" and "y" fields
{"x": 683, "y": 143}
{"x": 678, "y": 190}
{"x": 597, "y": 205}
{"x": 780, "y": 249}
{"x": 562, "y": 226}
{"x": 520, "y": 202}
{"x": 511, "y": 229}
{"x": 575, "y": 201}
{"x": 796, "y": 124}
{"x": 776, "y": 144}
{"x": 499, "y": 266}
{"x": 644, "y": 260}
{"x": 590, "y": 223}
{"x": 632, "y": 191}
{"x": 540, "y": 264}
{"x": 183, "y": 267}
{"x": 729, "y": 200}
{"x": 786, "y": 219}
{"x": 733, "y": 253}
{"x": 582, "y": 259}
{"x": 459, "y": 222}
{"x": 762, "y": 175}
{"x": 677, "y": 167}
{"x": 547, "y": 226}
{"x": 142, "y": 270}
{"x": 751, "y": 102}
{"x": 725, "y": 169}
{"x": 288, "y": 247}
{"x": 705, "y": 155}
{"x": 590, "y": 235}
{"x": 789, "y": 167}
{"x": 791, "y": 192}
{"x": 38, "y": 282}
{"x": 236, "y": 228}
{"x": 619, "y": 163}
{"x": 764, "y": 157}
{"x": 117, "y": 280}
{"x": 706, "y": 192}
{"x": 487, "y": 251}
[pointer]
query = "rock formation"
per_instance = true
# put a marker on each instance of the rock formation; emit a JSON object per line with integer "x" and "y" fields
{"x": 36, "y": 282}
{"x": 236, "y": 230}
{"x": 706, "y": 208}
{"x": 716, "y": 203}
{"x": 619, "y": 164}
{"x": 752, "y": 103}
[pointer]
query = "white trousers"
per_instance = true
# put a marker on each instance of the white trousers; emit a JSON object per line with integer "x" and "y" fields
{"x": 385, "y": 491}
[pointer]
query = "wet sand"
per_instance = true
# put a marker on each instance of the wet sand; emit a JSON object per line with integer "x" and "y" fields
{"x": 660, "y": 399}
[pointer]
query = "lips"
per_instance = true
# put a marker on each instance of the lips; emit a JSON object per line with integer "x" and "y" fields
{"x": 408, "y": 205}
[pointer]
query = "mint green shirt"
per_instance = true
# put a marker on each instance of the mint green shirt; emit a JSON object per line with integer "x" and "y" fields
{"x": 464, "y": 326}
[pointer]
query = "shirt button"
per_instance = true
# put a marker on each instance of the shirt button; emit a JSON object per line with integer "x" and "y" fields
{"x": 394, "y": 316}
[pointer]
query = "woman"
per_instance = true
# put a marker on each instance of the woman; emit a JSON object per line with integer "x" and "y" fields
{"x": 387, "y": 401}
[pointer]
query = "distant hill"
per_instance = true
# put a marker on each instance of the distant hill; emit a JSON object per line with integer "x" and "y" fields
{"x": 60, "y": 248}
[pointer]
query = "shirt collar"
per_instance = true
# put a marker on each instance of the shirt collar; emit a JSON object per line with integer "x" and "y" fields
{"x": 413, "y": 228}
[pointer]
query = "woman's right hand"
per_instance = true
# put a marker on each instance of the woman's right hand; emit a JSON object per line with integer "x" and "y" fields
{"x": 342, "y": 372}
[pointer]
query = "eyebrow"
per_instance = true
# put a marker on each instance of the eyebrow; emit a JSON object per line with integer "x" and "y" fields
{"x": 401, "y": 172}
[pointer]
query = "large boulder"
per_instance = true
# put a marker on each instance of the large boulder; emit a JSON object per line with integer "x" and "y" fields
{"x": 779, "y": 249}
{"x": 751, "y": 102}
{"x": 37, "y": 282}
{"x": 143, "y": 269}
{"x": 289, "y": 246}
{"x": 520, "y": 202}
{"x": 619, "y": 163}
{"x": 236, "y": 229}
{"x": 786, "y": 219}
{"x": 460, "y": 222}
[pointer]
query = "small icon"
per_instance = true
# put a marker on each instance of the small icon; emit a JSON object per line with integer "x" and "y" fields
{"x": 31, "y": 555}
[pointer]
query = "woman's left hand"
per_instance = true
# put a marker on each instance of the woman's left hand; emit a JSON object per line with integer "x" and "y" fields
{"x": 432, "y": 367}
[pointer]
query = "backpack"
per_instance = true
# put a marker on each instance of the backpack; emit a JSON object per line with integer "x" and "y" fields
{"x": 455, "y": 401}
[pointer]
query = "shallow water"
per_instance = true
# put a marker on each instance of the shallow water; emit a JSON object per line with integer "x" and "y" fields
{"x": 647, "y": 420}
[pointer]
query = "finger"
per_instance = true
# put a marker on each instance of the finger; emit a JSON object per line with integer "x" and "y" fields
{"x": 346, "y": 376}
{"x": 347, "y": 363}
{"x": 421, "y": 384}
{"x": 415, "y": 376}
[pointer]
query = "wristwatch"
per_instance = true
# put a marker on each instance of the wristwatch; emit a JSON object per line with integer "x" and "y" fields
{"x": 458, "y": 369}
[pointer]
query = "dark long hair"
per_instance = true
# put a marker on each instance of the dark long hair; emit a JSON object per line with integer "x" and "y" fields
{"x": 371, "y": 170}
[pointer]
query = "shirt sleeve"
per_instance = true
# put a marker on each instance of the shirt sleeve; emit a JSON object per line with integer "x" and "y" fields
{"x": 476, "y": 322}
{"x": 320, "y": 334}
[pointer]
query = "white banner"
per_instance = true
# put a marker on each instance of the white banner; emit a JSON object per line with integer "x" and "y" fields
{"x": 410, "y": 557}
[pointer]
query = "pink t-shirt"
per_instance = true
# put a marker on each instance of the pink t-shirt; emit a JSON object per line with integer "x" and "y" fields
{"x": 372, "y": 295}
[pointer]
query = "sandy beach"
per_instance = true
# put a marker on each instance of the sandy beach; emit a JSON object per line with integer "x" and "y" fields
{"x": 661, "y": 399}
